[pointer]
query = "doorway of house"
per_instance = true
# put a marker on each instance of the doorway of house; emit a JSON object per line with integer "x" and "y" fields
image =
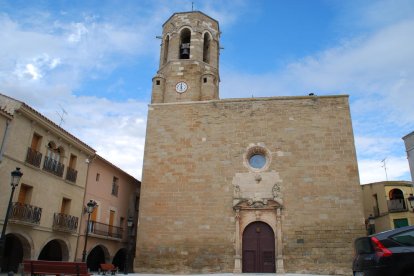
{"x": 258, "y": 248}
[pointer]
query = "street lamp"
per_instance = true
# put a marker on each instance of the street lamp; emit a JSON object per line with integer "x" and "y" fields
{"x": 371, "y": 222}
{"x": 130, "y": 223}
{"x": 411, "y": 201}
{"x": 90, "y": 206}
{"x": 16, "y": 175}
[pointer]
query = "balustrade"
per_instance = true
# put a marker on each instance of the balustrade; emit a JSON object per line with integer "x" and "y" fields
{"x": 53, "y": 166}
{"x": 65, "y": 222}
{"x": 25, "y": 212}
{"x": 71, "y": 174}
{"x": 33, "y": 157}
{"x": 106, "y": 230}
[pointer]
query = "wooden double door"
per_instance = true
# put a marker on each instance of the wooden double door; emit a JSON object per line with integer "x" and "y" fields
{"x": 258, "y": 248}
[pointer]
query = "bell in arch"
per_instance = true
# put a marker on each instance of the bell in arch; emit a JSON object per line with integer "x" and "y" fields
{"x": 185, "y": 51}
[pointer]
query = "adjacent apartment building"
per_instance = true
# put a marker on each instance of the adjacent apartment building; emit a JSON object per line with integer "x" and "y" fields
{"x": 112, "y": 227}
{"x": 387, "y": 204}
{"x": 48, "y": 203}
{"x": 61, "y": 174}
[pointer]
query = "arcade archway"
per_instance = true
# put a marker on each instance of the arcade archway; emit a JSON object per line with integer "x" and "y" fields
{"x": 96, "y": 257}
{"x": 54, "y": 250}
{"x": 16, "y": 248}
{"x": 119, "y": 259}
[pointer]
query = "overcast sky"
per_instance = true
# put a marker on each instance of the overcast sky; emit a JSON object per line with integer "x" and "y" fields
{"x": 92, "y": 62}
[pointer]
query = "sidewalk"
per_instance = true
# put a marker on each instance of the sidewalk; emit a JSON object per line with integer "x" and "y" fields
{"x": 218, "y": 274}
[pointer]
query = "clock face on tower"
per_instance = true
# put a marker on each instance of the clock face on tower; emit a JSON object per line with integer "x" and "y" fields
{"x": 181, "y": 87}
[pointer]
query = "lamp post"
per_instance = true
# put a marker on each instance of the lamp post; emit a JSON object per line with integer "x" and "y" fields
{"x": 130, "y": 223}
{"x": 411, "y": 201}
{"x": 16, "y": 175}
{"x": 371, "y": 223}
{"x": 90, "y": 206}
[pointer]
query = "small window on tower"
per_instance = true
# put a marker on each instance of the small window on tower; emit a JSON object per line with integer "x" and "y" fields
{"x": 204, "y": 80}
{"x": 157, "y": 82}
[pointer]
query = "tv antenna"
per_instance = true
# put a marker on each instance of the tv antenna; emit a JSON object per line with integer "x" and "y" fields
{"x": 61, "y": 115}
{"x": 385, "y": 167}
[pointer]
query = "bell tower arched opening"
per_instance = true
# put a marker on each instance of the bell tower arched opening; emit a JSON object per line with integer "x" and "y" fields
{"x": 206, "y": 48}
{"x": 185, "y": 41}
{"x": 166, "y": 47}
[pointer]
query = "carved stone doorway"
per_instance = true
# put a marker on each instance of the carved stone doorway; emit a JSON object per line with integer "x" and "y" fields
{"x": 258, "y": 248}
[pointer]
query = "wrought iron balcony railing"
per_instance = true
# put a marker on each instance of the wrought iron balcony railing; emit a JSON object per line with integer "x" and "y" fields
{"x": 106, "y": 230}
{"x": 65, "y": 222}
{"x": 25, "y": 213}
{"x": 53, "y": 166}
{"x": 71, "y": 174}
{"x": 396, "y": 205}
{"x": 33, "y": 157}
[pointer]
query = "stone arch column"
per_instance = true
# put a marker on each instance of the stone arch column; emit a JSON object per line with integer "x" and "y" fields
{"x": 237, "y": 256}
{"x": 280, "y": 268}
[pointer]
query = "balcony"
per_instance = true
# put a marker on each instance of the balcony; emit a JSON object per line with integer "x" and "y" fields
{"x": 105, "y": 230}
{"x": 71, "y": 174}
{"x": 396, "y": 205}
{"x": 33, "y": 157}
{"x": 66, "y": 223}
{"x": 25, "y": 213}
{"x": 53, "y": 166}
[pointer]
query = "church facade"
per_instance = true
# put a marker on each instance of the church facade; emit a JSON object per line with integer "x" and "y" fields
{"x": 242, "y": 185}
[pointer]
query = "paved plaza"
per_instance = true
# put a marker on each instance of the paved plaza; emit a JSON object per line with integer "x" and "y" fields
{"x": 218, "y": 274}
{"x": 222, "y": 274}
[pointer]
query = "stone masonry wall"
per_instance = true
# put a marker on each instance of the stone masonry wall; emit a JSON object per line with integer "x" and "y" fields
{"x": 195, "y": 150}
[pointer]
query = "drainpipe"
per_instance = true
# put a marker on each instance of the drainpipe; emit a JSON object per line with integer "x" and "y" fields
{"x": 3, "y": 143}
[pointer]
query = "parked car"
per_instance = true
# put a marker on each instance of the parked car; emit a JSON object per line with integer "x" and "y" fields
{"x": 389, "y": 253}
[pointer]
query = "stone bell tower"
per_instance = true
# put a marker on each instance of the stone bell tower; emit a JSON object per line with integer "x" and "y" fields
{"x": 189, "y": 59}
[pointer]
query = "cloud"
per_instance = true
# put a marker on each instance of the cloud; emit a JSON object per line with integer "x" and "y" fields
{"x": 36, "y": 67}
{"x": 116, "y": 130}
{"x": 374, "y": 171}
{"x": 373, "y": 15}
{"x": 67, "y": 53}
{"x": 78, "y": 31}
{"x": 376, "y": 146}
